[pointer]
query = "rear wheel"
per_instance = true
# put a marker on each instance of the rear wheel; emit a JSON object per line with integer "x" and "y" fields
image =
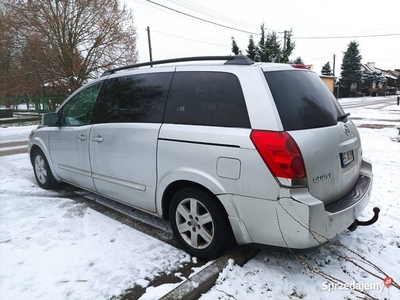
{"x": 199, "y": 223}
{"x": 42, "y": 171}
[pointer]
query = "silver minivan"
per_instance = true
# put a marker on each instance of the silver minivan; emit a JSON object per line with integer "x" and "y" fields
{"x": 259, "y": 153}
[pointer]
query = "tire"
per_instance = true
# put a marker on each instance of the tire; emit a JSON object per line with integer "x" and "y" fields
{"x": 199, "y": 223}
{"x": 42, "y": 171}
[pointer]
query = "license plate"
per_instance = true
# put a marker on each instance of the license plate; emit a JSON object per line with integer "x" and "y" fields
{"x": 346, "y": 158}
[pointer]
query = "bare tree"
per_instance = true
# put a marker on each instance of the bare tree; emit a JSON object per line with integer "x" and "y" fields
{"x": 8, "y": 64}
{"x": 67, "y": 42}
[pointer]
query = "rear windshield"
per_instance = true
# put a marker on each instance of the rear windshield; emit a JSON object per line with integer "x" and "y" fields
{"x": 303, "y": 100}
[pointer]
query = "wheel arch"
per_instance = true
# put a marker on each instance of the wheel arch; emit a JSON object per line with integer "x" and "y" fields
{"x": 177, "y": 185}
{"x": 32, "y": 151}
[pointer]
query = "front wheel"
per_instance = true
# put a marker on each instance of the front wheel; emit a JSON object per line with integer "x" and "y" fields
{"x": 200, "y": 223}
{"x": 42, "y": 171}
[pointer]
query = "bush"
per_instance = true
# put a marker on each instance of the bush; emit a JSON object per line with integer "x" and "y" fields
{"x": 6, "y": 113}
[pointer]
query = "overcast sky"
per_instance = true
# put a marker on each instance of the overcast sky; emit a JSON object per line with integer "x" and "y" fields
{"x": 175, "y": 35}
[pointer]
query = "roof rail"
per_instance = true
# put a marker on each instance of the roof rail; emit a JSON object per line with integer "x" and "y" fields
{"x": 230, "y": 60}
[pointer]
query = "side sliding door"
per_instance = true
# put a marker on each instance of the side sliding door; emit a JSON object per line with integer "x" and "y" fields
{"x": 123, "y": 140}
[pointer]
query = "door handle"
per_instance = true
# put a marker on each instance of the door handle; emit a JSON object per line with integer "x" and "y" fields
{"x": 81, "y": 138}
{"x": 97, "y": 139}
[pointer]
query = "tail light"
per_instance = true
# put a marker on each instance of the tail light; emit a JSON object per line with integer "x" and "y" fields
{"x": 282, "y": 156}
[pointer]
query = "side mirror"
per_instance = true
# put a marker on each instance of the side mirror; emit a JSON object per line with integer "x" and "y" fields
{"x": 49, "y": 119}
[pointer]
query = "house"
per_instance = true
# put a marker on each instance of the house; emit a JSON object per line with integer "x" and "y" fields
{"x": 393, "y": 82}
{"x": 377, "y": 81}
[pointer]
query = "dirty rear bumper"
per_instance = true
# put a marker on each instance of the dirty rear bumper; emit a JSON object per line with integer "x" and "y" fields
{"x": 356, "y": 195}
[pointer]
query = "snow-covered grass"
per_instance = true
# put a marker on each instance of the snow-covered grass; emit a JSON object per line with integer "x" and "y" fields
{"x": 54, "y": 248}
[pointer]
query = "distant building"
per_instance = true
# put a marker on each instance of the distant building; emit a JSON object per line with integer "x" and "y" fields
{"x": 329, "y": 81}
{"x": 384, "y": 83}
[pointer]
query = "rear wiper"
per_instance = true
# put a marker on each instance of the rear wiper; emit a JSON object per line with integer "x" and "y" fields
{"x": 343, "y": 117}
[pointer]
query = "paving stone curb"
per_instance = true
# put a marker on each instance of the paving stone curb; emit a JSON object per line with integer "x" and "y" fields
{"x": 202, "y": 281}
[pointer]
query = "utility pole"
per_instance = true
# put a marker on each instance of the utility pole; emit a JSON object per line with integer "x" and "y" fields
{"x": 284, "y": 40}
{"x": 334, "y": 58}
{"x": 148, "y": 37}
{"x": 283, "y": 47}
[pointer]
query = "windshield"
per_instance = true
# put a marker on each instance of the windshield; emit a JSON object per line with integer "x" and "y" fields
{"x": 303, "y": 100}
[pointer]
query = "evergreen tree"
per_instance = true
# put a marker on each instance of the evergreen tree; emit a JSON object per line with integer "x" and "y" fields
{"x": 261, "y": 45}
{"x": 326, "y": 69}
{"x": 235, "y": 48}
{"x": 370, "y": 80}
{"x": 298, "y": 61}
{"x": 351, "y": 69}
{"x": 288, "y": 47}
{"x": 272, "y": 50}
{"x": 251, "y": 49}
{"x": 268, "y": 48}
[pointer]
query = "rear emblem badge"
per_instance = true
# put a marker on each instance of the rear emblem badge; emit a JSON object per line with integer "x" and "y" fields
{"x": 322, "y": 178}
{"x": 346, "y": 129}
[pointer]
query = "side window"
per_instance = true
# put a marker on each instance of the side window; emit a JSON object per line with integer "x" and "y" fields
{"x": 206, "y": 98}
{"x": 134, "y": 98}
{"x": 78, "y": 110}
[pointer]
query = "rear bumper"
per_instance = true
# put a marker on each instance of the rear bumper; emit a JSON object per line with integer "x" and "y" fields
{"x": 296, "y": 220}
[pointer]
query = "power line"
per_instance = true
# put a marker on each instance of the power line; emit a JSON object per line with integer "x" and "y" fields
{"x": 201, "y": 19}
{"x": 208, "y": 12}
{"x": 190, "y": 39}
{"x": 342, "y": 37}
{"x": 253, "y": 33}
{"x": 377, "y": 29}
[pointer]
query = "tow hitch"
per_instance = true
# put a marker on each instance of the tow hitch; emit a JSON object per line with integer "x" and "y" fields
{"x": 356, "y": 223}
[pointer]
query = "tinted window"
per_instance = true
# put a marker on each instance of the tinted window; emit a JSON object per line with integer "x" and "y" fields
{"x": 78, "y": 110}
{"x": 134, "y": 98}
{"x": 206, "y": 98}
{"x": 303, "y": 100}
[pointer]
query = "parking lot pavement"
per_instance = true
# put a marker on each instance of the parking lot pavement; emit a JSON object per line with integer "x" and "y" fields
{"x": 189, "y": 285}
{"x": 9, "y": 148}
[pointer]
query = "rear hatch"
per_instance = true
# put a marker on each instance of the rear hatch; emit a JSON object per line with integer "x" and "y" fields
{"x": 329, "y": 143}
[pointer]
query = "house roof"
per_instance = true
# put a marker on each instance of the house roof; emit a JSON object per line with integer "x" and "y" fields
{"x": 391, "y": 76}
{"x": 394, "y": 73}
{"x": 327, "y": 76}
{"x": 365, "y": 66}
{"x": 388, "y": 73}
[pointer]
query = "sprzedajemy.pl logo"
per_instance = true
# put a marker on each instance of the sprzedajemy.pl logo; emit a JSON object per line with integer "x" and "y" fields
{"x": 360, "y": 286}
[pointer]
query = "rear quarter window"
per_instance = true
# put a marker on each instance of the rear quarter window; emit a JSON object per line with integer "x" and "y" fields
{"x": 206, "y": 98}
{"x": 302, "y": 99}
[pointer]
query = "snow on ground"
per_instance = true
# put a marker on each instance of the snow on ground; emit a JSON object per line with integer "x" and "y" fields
{"x": 364, "y": 99}
{"x": 55, "y": 248}
{"x": 16, "y": 133}
{"x": 282, "y": 276}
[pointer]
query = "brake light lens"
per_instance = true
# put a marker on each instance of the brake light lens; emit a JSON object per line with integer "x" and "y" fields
{"x": 300, "y": 66}
{"x": 282, "y": 156}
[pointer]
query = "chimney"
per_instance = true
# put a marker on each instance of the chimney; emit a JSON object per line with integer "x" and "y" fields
{"x": 371, "y": 65}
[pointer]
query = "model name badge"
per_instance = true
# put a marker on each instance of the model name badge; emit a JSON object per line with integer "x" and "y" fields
{"x": 322, "y": 178}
